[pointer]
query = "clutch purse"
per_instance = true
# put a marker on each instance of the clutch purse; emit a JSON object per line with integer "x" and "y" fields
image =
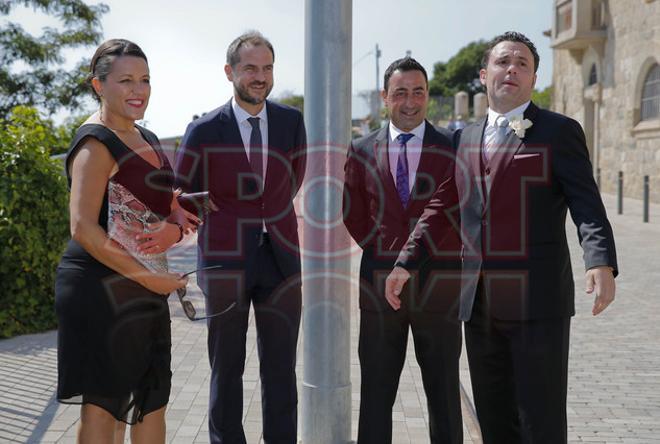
{"x": 127, "y": 217}
{"x": 200, "y": 204}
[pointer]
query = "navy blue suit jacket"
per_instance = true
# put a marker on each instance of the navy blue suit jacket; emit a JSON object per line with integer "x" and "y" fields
{"x": 212, "y": 158}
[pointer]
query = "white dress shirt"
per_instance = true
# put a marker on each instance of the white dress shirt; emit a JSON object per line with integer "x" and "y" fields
{"x": 491, "y": 129}
{"x": 413, "y": 151}
{"x": 245, "y": 128}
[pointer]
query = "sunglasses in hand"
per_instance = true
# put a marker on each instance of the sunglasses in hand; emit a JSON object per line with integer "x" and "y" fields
{"x": 187, "y": 305}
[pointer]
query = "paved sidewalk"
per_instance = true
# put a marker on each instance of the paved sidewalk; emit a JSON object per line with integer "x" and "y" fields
{"x": 614, "y": 367}
{"x": 614, "y": 376}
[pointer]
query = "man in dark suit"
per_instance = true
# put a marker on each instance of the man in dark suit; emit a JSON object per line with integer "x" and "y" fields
{"x": 390, "y": 177}
{"x": 250, "y": 155}
{"x": 518, "y": 172}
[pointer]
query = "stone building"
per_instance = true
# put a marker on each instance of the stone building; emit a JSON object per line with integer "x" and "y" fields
{"x": 606, "y": 75}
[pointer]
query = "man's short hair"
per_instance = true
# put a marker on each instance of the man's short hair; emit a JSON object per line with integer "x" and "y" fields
{"x": 250, "y": 38}
{"x": 405, "y": 64}
{"x": 511, "y": 36}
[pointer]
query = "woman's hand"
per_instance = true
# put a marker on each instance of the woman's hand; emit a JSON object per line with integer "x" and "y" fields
{"x": 162, "y": 283}
{"x": 186, "y": 219}
{"x": 179, "y": 215}
{"x": 159, "y": 237}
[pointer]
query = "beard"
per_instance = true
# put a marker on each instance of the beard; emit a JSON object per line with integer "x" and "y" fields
{"x": 244, "y": 94}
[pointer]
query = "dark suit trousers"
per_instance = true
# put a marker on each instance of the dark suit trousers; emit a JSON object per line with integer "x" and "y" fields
{"x": 518, "y": 371}
{"x": 382, "y": 351}
{"x": 277, "y": 305}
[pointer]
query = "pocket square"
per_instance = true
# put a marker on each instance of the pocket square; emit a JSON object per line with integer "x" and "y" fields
{"x": 525, "y": 156}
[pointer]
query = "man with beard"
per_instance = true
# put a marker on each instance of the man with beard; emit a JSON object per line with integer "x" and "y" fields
{"x": 250, "y": 155}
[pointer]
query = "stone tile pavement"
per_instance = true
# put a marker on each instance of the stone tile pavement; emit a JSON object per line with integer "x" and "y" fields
{"x": 614, "y": 367}
{"x": 614, "y": 376}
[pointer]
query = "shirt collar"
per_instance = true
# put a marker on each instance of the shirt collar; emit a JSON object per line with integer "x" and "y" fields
{"x": 418, "y": 131}
{"x": 492, "y": 115}
{"x": 242, "y": 115}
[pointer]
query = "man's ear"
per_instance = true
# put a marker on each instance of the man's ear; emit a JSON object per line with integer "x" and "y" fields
{"x": 383, "y": 95}
{"x": 229, "y": 73}
{"x": 482, "y": 76}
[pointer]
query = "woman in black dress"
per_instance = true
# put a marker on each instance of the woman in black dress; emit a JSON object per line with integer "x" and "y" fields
{"x": 112, "y": 282}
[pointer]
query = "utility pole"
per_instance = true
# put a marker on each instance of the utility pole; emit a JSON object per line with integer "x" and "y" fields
{"x": 326, "y": 388}
{"x": 378, "y": 54}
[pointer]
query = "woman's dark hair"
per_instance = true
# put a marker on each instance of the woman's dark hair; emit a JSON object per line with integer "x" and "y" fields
{"x": 106, "y": 54}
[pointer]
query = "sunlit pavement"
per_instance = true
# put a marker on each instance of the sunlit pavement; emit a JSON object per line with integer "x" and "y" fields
{"x": 614, "y": 375}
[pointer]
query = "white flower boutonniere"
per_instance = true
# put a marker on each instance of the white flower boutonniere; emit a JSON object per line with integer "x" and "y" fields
{"x": 519, "y": 126}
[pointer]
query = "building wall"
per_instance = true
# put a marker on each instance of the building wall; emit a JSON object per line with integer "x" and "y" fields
{"x": 631, "y": 47}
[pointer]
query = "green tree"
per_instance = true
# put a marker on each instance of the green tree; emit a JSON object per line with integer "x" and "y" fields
{"x": 41, "y": 82}
{"x": 64, "y": 133}
{"x": 294, "y": 100}
{"x": 543, "y": 98}
{"x": 436, "y": 110}
{"x": 459, "y": 72}
{"x": 33, "y": 222}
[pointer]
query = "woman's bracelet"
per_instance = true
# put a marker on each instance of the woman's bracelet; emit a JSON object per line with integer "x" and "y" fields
{"x": 180, "y": 231}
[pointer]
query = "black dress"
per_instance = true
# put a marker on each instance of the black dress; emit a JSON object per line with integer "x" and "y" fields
{"x": 114, "y": 335}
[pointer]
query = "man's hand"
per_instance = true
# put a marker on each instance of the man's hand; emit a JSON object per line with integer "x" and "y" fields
{"x": 601, "y": 279}
{"x": 394, "y": 284}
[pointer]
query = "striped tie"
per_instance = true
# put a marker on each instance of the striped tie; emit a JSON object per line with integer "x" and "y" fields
{"x": 497, "y": 138}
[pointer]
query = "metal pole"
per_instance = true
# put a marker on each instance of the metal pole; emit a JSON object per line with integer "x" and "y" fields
{"x": 377, "y": 68}
{"x": 620, "y": 193}
{"x": 326, "y": 389}
{"x": 646, "y": 198}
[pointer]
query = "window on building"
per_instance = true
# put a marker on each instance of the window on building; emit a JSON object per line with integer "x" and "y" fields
{"x": 564, "y": 16}
{"x": 593, "y": 75}
{"x": 651, "y": 95}
{"x": 597, "y": 14}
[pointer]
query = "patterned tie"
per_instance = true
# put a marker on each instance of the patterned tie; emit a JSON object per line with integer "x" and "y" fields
{"x": 402, "y": 185}
{"x": 498, "y": 138}
{"x": 256, "y": 148}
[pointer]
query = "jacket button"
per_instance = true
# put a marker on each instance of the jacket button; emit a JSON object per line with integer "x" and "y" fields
{"x": 487, "y": 171}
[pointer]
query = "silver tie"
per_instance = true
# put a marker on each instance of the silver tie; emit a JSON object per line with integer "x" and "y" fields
{"x": 498, "y": 137}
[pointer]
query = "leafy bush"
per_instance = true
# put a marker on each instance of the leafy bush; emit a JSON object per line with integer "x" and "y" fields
{"x": 65, "y": 132}
{"x": 34, "y": 224}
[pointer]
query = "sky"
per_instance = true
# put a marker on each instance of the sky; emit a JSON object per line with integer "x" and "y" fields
{"x": 186, "y": 42}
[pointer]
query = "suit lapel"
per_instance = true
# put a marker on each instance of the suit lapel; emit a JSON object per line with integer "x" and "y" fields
{"x": 470, "y": 160}
{"x": 426, "y": 166}
{"x": 503, "y": 156}
{"x": 230, "y": 138}
{"x": 275, "y": 142}
{"x": 230, "y": 134}
{"x": 228, "y": 128}
{"x": 470, "y": 186}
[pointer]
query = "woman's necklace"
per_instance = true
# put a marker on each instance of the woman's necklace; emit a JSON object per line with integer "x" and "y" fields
{"x": 125, "y": 131}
